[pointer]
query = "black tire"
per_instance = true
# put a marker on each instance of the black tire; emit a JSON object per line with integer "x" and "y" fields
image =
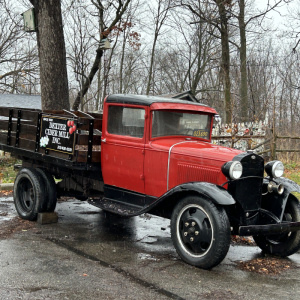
{"x": 283, "y": 244}
{"x": 200, "y": 232}
{"x": 29, "y": 191}
{"x": 50, "y": 190}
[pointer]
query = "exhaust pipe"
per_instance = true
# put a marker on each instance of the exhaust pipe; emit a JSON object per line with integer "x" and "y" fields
{"x": 277, "y": 188}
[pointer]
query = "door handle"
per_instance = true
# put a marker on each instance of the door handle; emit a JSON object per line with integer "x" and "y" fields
{"x": 103, "y": 140}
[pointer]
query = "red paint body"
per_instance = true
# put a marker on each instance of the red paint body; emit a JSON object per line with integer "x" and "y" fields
{"x": 147, "y": 165}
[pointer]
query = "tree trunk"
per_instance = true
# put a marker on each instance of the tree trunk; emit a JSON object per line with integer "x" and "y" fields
{"x": 122, "y": 62}
{"x": 150, "y": 75}
{"x": 89, "y": 79}
{"x": 225, "y": 65}
{"x": 52, "y": 55}
{"x": 243, "y": 63}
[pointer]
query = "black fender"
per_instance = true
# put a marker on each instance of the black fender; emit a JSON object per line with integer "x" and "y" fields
{"x": 276, "y": 203}
{"x": 289, "y": 185}
{"x": 164, "y": 205}
{"x": 217, "y": 194}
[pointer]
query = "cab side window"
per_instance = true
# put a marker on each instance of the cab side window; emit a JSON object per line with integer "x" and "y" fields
{"x": 127, "y": 121}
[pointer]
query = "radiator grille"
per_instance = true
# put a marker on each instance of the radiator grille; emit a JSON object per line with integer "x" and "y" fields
{"x": 189, "y": 172}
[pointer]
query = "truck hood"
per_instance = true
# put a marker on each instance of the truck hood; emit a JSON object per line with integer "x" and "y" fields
{"x": 196, "y": 149}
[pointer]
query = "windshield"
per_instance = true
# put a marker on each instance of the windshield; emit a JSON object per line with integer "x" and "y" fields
{"x": 166, "y": 123}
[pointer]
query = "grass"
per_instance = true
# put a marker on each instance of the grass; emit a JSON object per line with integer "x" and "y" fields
{"x": 292, "y": 171}
{"x": 7, "y": 172}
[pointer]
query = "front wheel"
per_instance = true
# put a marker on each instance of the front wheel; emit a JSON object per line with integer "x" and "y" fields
{"x": 200, "y": 232}
{"x": 283, "y": 244}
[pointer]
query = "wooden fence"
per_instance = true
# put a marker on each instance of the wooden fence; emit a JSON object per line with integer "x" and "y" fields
{"x": 253, "y": 136}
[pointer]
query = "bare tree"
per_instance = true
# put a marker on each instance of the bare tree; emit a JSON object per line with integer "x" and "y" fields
{"x": 17, "y": 61}
{"x": 120, "y": 9}
{"x": 80, "y": 40}
{"x": 160, "y": 15}
{"x": 243, "y": 24}
{"x": 52, "y": 54}
{"x": 218, "y": 17}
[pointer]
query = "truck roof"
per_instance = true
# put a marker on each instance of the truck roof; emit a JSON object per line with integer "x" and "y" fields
{"x": 146, "y": 100}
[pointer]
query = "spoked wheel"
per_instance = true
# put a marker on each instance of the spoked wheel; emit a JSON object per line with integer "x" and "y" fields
{"x": 200, "y": 232}
{"x": 28, "y": 194}
{"x": 283, "y": 244}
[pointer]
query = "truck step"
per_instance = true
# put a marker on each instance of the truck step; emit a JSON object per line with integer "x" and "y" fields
{"x": 116, "y": 207}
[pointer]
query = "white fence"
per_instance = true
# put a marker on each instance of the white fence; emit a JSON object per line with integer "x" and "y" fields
{"x": 242, "y": 136}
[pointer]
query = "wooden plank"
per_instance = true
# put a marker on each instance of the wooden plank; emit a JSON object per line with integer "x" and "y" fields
{"x": 53, "y": 112}
{"x": 4, "y": 111}
{"x": 3, "y": 138}
{"x": 29, "y": 115}
{"x": 81, "y": 156}
{"x": 83, "y": 124}
{"x": 287, "y": 150}
{"x": 83, "y": 114}
{"x": 98, "y": 124}
{"x": 23, "y": 143}
{"x": 96, "y": 115}
{"x": 47, "y": 218}
{"x": 82, "y": 139}
{"x": 26, "y": 131}
{"x": 3, "y": 124}
{"x": 61, "y": 113}
{"x": 289, "y": 137}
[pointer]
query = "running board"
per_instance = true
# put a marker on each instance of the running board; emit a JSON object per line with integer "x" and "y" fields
{"x": 117, "y": 207}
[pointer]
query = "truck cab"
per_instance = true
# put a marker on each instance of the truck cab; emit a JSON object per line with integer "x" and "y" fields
{"x": 150, "y": 145}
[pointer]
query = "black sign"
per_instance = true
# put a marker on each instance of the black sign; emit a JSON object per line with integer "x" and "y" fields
{"x": 58, "y": 134}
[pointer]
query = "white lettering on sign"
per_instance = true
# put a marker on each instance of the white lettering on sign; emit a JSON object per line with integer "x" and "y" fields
{"x": 51, "y": 132}
{"x": 63, "y": 134}
{"x": 55, "y": 140}
{"x": 57, "y": 126}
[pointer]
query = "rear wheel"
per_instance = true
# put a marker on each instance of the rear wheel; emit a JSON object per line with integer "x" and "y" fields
{"x": 200, "y": 232}
{"x": 50, "y": 190}
{"x": 283, "y": 244}
{"x": 29, "y": 193}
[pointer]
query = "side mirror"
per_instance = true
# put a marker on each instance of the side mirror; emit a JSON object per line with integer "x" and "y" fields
{"x": 218, "y": 119}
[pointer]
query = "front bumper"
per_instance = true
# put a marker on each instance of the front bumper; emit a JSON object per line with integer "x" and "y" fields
{"x": 269, "y": 229}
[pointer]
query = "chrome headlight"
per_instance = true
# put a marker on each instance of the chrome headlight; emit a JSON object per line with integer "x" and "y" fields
{"x": 274, "y": 168}
{"x": 232, "y": 169}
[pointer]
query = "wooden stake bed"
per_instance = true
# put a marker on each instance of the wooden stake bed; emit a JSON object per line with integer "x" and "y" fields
{"x": 70, "y": 139}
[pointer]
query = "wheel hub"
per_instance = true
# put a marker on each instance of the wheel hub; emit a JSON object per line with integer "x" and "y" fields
{"x": 196, "y": 231}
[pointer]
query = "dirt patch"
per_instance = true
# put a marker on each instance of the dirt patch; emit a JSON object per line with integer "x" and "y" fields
{"x": 267, "y": 265}
{"x": 6, "y": 193}
{"x": 242, "y": 240}
{"x": 14, "y": 225}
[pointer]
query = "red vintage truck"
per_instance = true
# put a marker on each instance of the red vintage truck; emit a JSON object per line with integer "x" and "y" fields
{"x": 154, "y": 155}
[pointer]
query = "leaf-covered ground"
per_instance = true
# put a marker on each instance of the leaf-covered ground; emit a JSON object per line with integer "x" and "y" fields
{"x": 268, "y": 265}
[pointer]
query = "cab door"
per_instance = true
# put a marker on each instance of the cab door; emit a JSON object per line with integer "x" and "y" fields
{"x": 122, "y": 147}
